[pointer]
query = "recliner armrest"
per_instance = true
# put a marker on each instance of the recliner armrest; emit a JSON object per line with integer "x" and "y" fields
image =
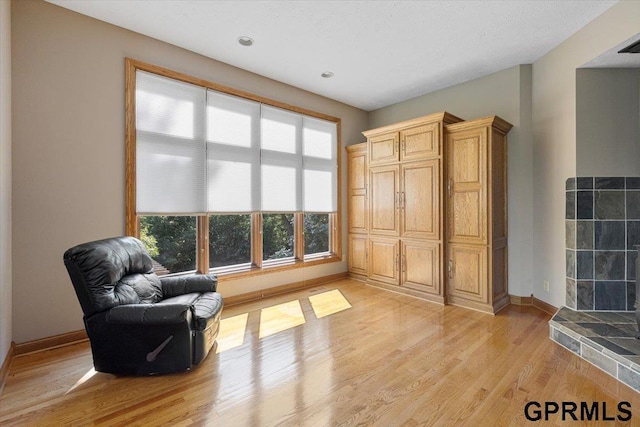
{"x": 180, "y": 285}
{"x": 149, "y": 314}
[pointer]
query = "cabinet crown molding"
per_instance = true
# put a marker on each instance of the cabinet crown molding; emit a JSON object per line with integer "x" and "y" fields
{"x": 356, "y": 147}
{"x": 443, "y": 116}
{"x": 495, "y": 121}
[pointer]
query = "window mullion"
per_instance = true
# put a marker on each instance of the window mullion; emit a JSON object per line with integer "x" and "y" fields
{"x": 202, "y": 237}
{"x": 256, "y": 239}
{"x": 298, "y": 232}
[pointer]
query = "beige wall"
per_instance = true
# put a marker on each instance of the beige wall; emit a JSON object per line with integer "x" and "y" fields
{"x": 608, "y": 122}
{"x": 5, "y": 178}
{"x": 507, "y": 94}
{"x": 68, "y": 156}
{"x": 554, "y": 137}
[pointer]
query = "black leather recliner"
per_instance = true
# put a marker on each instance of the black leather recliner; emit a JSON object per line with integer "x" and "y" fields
{"x": 139, "y": 323}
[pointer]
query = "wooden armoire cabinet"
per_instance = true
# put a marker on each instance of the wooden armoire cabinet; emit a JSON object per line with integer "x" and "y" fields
{"x": 405, "y": 228}
{"x": 423, "y": 197}
{"x": 477, "y": 213}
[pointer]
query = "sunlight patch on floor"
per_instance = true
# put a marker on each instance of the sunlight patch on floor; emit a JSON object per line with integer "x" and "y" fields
{"x": 328, "y": 303}
{"x": 280, "y": 317}
{"x": 232, "y": 330}
{"x": 90, "y": 373}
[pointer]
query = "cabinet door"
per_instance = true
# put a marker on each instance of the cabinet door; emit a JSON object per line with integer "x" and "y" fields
{"x": 384, "y": 260}
{"x": 383, "y": 148}
{"x": 357, "y": 187}
{"x": 467, "y": 186}
{"x": 421, "y": 142}
{"x": 358, "y": 254}
{"x": 420, "y": 200}
{"x": 467, "y": 272}
{"x": 384, "y": 200}
{"x": 420, "y": 263}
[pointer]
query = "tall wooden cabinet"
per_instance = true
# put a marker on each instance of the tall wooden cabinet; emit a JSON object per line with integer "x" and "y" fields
{"x": 425, "y": 198}
{"x": 477, "y": 213}
{"x": 405, "y": 236}
{"x": 358, "y": 208}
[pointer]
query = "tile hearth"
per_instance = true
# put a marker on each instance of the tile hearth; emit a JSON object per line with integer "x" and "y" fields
{"x": 605, "y": 339}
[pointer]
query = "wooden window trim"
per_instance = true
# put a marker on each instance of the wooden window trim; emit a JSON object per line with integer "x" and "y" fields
{"x": 298, "y": 240}
{"x": 132, "y": 221}
{"x": 202, "y": 239}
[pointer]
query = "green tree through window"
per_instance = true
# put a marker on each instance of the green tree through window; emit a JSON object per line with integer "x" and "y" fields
{"x": 171, "y": 241}
{"x": 277, "y": 236}
{"x": 229, "y": 240}
{"x": 316, "y": 233}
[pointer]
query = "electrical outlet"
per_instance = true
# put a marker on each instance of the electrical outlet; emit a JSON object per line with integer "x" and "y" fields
{"x": 546, "y": 285}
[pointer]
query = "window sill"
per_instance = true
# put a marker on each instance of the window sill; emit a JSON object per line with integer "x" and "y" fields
{"x": 249, "y": 271}
{"x": 178, "y": 274}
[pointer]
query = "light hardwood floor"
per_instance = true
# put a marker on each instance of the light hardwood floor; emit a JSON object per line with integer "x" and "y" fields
{"x": 389, "y": 360}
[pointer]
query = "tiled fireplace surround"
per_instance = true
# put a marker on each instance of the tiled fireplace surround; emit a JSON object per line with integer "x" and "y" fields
{"x": 602, "y": 227}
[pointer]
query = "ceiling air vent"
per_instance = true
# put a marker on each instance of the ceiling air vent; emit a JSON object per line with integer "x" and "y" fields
{"x": 632, "y": 48}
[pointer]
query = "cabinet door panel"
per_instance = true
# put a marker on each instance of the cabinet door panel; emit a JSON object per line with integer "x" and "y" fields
{"x": 384, "y": 199}
{"x": 357, "y": 189}
{"x": 358, "y": 213}
{"x": 358, "y": 254}
{"x": 465, "y": 215}
{"x": 420, "y": 200}
{"x": 467, "y": 272}
{"x": 421, "y": 266}
{"x": 383, "y": 148}
{"x": 384, "y": 259}
{"x": 467, "y": 186}
{"x": 357, "y": 170}
{"x": 421, "y": 142}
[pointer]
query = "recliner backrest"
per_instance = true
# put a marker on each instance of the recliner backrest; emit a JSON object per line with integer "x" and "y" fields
{"x": 112, "y": 272}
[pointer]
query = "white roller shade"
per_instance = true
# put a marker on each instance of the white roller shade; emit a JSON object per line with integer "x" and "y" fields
{"x": 170, "y": 148}
{"x": 200, "y": 151}
{"x": 233, "y": 153}
{"x": 281, "y": 160}
{"x": 320, "y": 165}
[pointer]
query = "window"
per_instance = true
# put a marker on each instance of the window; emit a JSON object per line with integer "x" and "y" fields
{"x": 316, "y": 234}
{"x": 278, "y": 236}
{"x": 171, "y": 242}
{"x": 227, "y": 181}
{"x": 229, "y": 241}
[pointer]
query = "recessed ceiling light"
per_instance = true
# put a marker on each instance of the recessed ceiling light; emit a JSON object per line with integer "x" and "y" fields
{"x": 245, "y": 41}
{"x": 327, "y": 74}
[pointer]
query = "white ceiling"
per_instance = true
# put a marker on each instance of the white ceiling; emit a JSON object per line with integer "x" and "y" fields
{"x": 381, "y": 52}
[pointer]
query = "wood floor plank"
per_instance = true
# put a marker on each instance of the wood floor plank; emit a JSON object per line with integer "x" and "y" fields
{"x": 389, "y": 360}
